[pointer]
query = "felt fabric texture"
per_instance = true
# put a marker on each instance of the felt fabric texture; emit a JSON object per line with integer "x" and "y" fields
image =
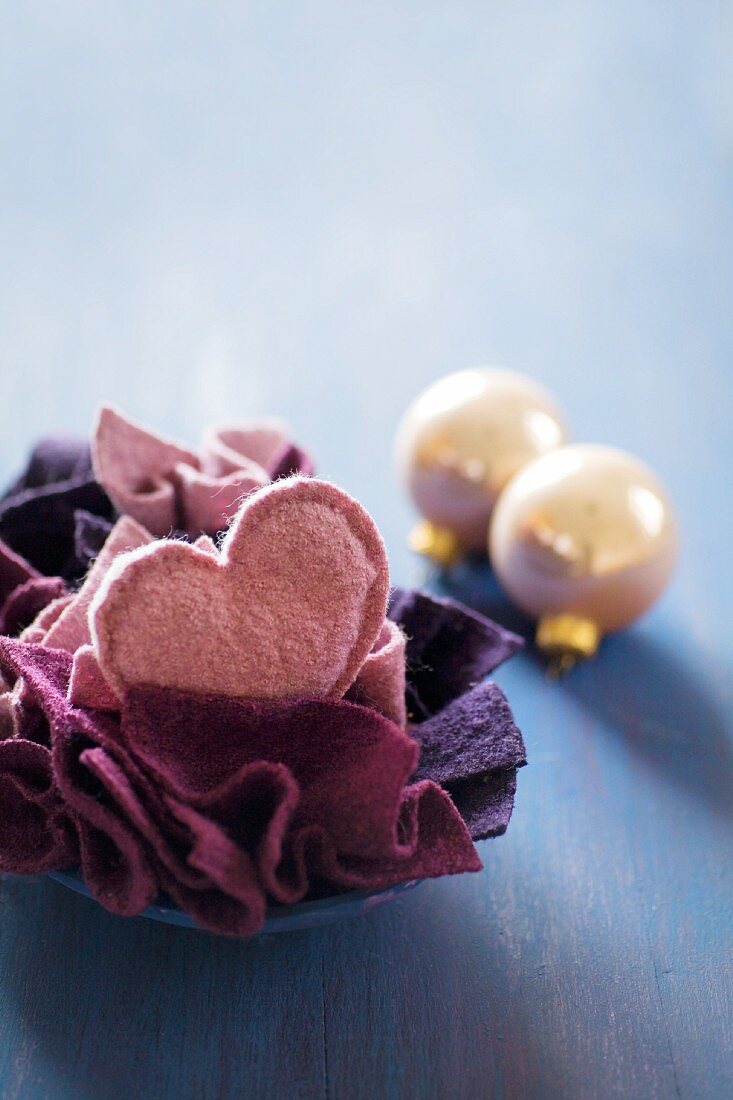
{"x": 344, "y": 811}
{"x": 449, "y": 649}
{"x": 46, "y": 617}
{"x": 166, "y": 486}
{"x": 27, "y": 600}
{"x": 70, "y": 630}
{"x": 37, "y": 513}
{"x": 14, "y": 571}
{"x": 292, "y": 606}
{"x": 380, "y": 682}
{"x": 90, "y": 534}
{"x": 473, "y": 748}
{"x": 224, "y": 803}
{"x": 87, "y": 685}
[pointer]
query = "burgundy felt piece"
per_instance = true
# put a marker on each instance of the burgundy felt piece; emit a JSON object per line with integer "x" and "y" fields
{"x": 36, "y": 832}
{"x": 181, "y": 800}
{"x": 449, "y": 649}
{"x": 115, "y": 860}
{"x": 14, "y": 571}
{"x": 354, "y": 823}
{"x": 25, "y": 602}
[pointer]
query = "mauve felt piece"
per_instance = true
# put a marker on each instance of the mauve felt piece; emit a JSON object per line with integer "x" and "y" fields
{"x": 87, "y": 685}
{"x": 167, "y": 487}
{"x": 71, "y": 629}
{"x": 449, "y": 649}
{"x": 381, "y": 679}
{"x": 292, "y": 606}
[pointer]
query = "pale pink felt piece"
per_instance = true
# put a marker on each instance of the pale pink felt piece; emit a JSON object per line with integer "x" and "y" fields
{"x": 87, "y": 686}
{"x": 46, "y": 617}
{"x": 206, "y": 502}
{"x": 381, "y": 680}
{"x": 227, "y": 448}
{"x": 207, "y": 544}
{"x": 71, "y": 628}
{"x": 292, "y": 605}
{"x": 134, "y": 464}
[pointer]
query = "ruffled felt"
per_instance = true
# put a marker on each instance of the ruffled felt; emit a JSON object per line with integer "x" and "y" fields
{"x": 38, "y": 512}
{"x": 165, "y": 486}
{"x": 225, "y": 803}
{"x": 450, "y": 648}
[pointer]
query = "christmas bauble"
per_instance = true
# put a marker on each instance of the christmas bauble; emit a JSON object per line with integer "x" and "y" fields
{"x": 583, "y": 540}
{"x": 459, "y": 444}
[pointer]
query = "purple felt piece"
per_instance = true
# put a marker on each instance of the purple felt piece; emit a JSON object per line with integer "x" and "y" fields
{"x": 486, "y": 802}
{"x": 473, "y": 748}
{"x": 166, "y": 486}
{"x": 24, "y": 604}
{"x": 381, "y": 679}
{"x": 473, "y": 735}
{"x": 90, "y": 534}
{"x": 291, "y": 607}
{"x": 40, "y": 523}
{"x": 52, "y": 460}
{"x": 449, "y": 649}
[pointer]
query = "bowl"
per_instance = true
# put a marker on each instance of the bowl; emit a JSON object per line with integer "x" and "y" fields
{"x": 280, "y": 918}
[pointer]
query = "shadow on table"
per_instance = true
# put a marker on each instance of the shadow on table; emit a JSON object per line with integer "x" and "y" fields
{"x": 659, "y": 700}
{"x": 667, "y": 710}
{"x": 97, "y": 1007}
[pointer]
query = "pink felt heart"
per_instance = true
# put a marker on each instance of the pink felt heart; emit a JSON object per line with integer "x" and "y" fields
{"x": 291, "y": 605}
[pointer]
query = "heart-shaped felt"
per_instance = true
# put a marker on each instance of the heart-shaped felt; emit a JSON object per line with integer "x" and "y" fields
{"x": 290, "y": 606}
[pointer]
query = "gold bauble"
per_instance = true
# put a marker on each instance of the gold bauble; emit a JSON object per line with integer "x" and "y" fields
{"x": 459, "y": 444}
{"x": 583, "y": 540}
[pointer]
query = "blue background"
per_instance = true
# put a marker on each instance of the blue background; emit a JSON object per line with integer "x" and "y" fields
{"x": 217, "y": 210}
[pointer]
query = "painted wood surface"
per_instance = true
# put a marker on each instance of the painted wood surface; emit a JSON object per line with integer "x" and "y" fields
{"x": 222, "y": 210}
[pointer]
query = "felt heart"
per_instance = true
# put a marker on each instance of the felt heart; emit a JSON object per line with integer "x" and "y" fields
{"x": 291, "y": 605}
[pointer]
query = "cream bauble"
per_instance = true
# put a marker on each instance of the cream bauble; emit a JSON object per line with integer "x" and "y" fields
{"x": 458, "y": 445}
{"x": 583, "y": 540}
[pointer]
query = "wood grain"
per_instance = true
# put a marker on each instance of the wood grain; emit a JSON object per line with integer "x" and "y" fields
{"x": 314, "y": 211}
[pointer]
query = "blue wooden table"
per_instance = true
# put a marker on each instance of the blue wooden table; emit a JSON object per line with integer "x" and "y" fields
{"x": 222, "y": 210}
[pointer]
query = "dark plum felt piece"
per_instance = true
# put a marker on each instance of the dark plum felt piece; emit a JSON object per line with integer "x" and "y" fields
{"x": 23, "y": 591}
{"x": 450, "y": 648}
{"x": 217, "y": 827}
{"x": 37, "y": 513}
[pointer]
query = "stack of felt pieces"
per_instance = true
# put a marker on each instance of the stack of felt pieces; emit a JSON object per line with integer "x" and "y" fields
{"x": 209, "y": 694}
